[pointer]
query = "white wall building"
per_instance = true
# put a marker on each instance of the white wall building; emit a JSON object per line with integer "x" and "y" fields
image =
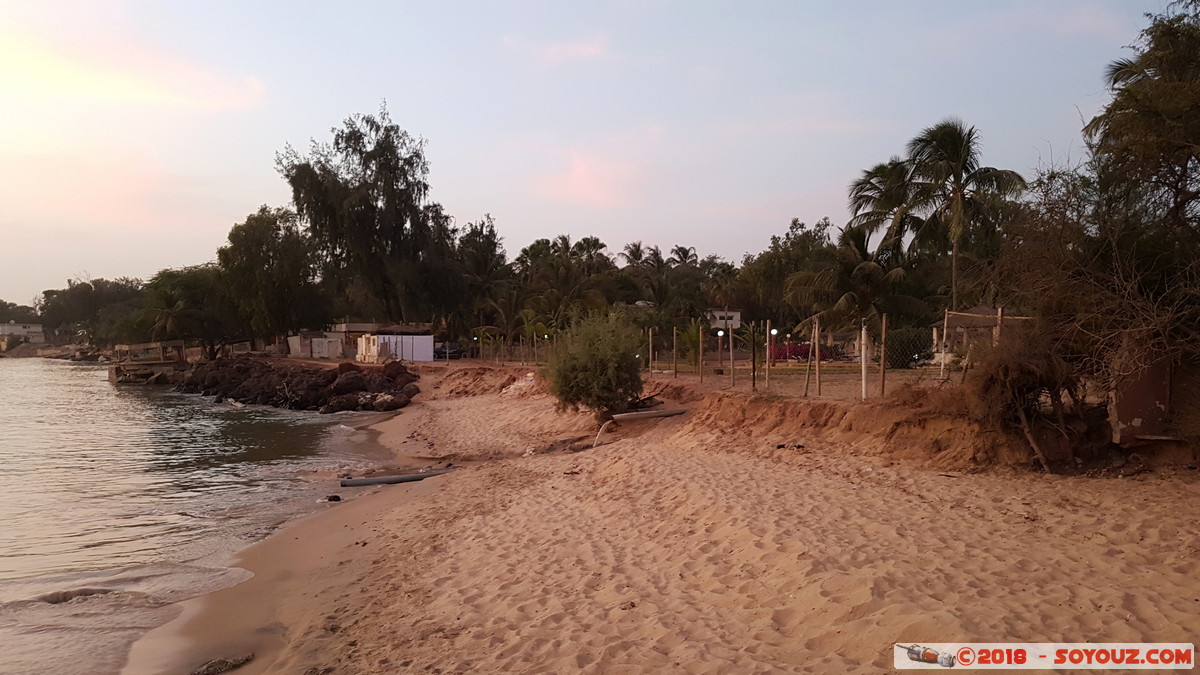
{"x": 726, "y": 318}
{"x": 14, "y": 332}
{"x": 384, "y": 348}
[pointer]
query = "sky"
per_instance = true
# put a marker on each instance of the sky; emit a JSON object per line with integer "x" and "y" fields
{"x": 134, "y": 135}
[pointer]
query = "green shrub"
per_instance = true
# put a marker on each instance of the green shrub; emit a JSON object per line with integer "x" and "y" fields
{"x": 596, "y": 365}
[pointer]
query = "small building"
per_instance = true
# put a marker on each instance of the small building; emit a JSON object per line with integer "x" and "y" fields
{"x": 147, "y": 362}
{"x": 384, "y": 348}
{"x": 725, "y": 318}
{"x": 315, "y": 346}
{"x": 13, "y": 334}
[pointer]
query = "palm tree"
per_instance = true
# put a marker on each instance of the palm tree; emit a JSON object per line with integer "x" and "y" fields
{"x": 590, "y": 254}
{"x": 889, "y": 195}
{"x": 634, "y": 253}
{"x": 654, "y": 260}
{"x": 945, "y": 156}
{"x": 857, "y": 285}
{"x": 683, "y": 255}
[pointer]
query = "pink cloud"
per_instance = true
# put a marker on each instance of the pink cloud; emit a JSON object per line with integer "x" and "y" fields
{"x": 590, "y": 180}
{"x": 559, "y": 52}
{"x": 607, "y": 170}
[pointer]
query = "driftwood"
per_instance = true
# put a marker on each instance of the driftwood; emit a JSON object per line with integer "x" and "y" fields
{"x": 390, "y": 480}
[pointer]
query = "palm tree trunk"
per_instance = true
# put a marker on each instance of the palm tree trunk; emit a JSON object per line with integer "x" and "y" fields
{"x": 954, "y": 276}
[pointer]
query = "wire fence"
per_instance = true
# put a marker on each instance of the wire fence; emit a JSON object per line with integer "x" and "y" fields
{"x": 809, "y": 361}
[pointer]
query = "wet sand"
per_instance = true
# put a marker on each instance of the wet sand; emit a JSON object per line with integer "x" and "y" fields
{"x": 689, "y": 544}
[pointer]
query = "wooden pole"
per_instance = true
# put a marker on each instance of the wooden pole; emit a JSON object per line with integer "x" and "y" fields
{"x": 812, "y": 342}
{"x": 945, "y": 325}
{"x": 700, "y": 356}
{"x": 753, "y": 357}
{"x": 767, "y": 361}
{"x": 862, "y": 357}
{"x": 817, "y": 327}
{"x": 675, "y": 352}
{"x": 883, "y": 358}
{"x": 649, "y": 348}
{"x": 999, "y": 325}
{"x": 732, "y": 382}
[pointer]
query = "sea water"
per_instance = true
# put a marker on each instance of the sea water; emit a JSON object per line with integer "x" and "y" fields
{"x": 117, "y": 501}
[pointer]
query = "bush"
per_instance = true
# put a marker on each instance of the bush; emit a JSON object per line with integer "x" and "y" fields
{"x": 596, "y": 365}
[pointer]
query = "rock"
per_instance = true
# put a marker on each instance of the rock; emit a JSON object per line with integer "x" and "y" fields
{"x": 333, "y": 498}
{"x": 389, "y": 402}
{"x": 410, "y": 390}
{"x": 348, "y": 367}
{"x": 377, "y": 383}
{"x": 340, "y": 403}
{"x": 217, "y": 666}
{"x": 397, "y": 372}
{"x": 348, "y": 382}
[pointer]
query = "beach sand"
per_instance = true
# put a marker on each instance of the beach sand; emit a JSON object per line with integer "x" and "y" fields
{"x": 691, "y": 544}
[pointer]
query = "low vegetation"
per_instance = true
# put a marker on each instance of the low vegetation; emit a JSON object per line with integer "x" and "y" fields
{"x": 596, "y": 365}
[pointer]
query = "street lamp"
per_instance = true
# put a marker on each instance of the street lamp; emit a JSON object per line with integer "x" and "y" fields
{"x": 720, "y": 351}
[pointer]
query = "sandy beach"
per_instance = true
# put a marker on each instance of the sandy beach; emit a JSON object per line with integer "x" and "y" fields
{"x": 748, "y": 535}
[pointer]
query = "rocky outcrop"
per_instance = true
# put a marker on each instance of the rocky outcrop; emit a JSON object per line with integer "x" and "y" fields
{"x": 260, "y": 381}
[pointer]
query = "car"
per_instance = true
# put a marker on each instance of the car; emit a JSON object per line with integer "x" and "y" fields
{"x": 449, "y": 350}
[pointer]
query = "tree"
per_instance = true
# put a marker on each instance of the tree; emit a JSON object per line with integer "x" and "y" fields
{"x": 193, "y": 302}
{"x": 634, "y": 253}
{"x": 683, "y": 256}
{"x": 270, "y": 265}
{"x": 11, "y": 311}
{"x": 856, "y": 285}
{"x": 364, "y": 200}
{"x": 485, "y": 267}
{"x": 889, "y": 196}
{"x": 763, "y": 277}
{"x": 596, "y": 364}
{"x": 1151, "y": 129}
{"x": 946, "y": 157}
{"x": 91, "y": 308}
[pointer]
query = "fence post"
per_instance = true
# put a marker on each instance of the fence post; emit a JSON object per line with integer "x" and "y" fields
{"x": 767, "y": 360}
{"x": 862, "y": 356}
{"x": 700, "y": 356}
{"x": 812, "y": 341}
{"x": 753, "y": 357}
{"x": 945, "y": 326}
{"x": 675, "y": 351}
{"x": 732, "y": 380}
{"x": 817, "y": 329}
{"x": 883, "y": 358}
{"x": 999, "y": 325}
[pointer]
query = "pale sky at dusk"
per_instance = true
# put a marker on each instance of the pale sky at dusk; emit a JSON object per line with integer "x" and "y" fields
{"x": 135, "y": 134}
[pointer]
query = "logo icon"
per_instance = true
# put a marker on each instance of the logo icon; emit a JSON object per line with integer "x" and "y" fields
{"x": 925, "y": 655}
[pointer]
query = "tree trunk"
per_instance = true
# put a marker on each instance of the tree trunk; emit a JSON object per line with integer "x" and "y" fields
{"x": 1037, "y": 450}
{"x": 954, "y": 276}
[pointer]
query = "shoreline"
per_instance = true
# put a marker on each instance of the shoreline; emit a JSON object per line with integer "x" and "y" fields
{"x": 245, "y": 618}
{"x": 743, "y": 537}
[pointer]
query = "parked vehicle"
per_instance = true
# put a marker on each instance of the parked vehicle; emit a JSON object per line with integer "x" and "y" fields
{"x": 450, "y": 350}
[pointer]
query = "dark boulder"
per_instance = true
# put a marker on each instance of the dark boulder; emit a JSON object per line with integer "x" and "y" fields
{"x": 389, "y": 402}
{"x": 410, "y": 390}
{"x": 348, "y": 382}
{"x": 340, "y": 403}
{"x": 377, "y": 383}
